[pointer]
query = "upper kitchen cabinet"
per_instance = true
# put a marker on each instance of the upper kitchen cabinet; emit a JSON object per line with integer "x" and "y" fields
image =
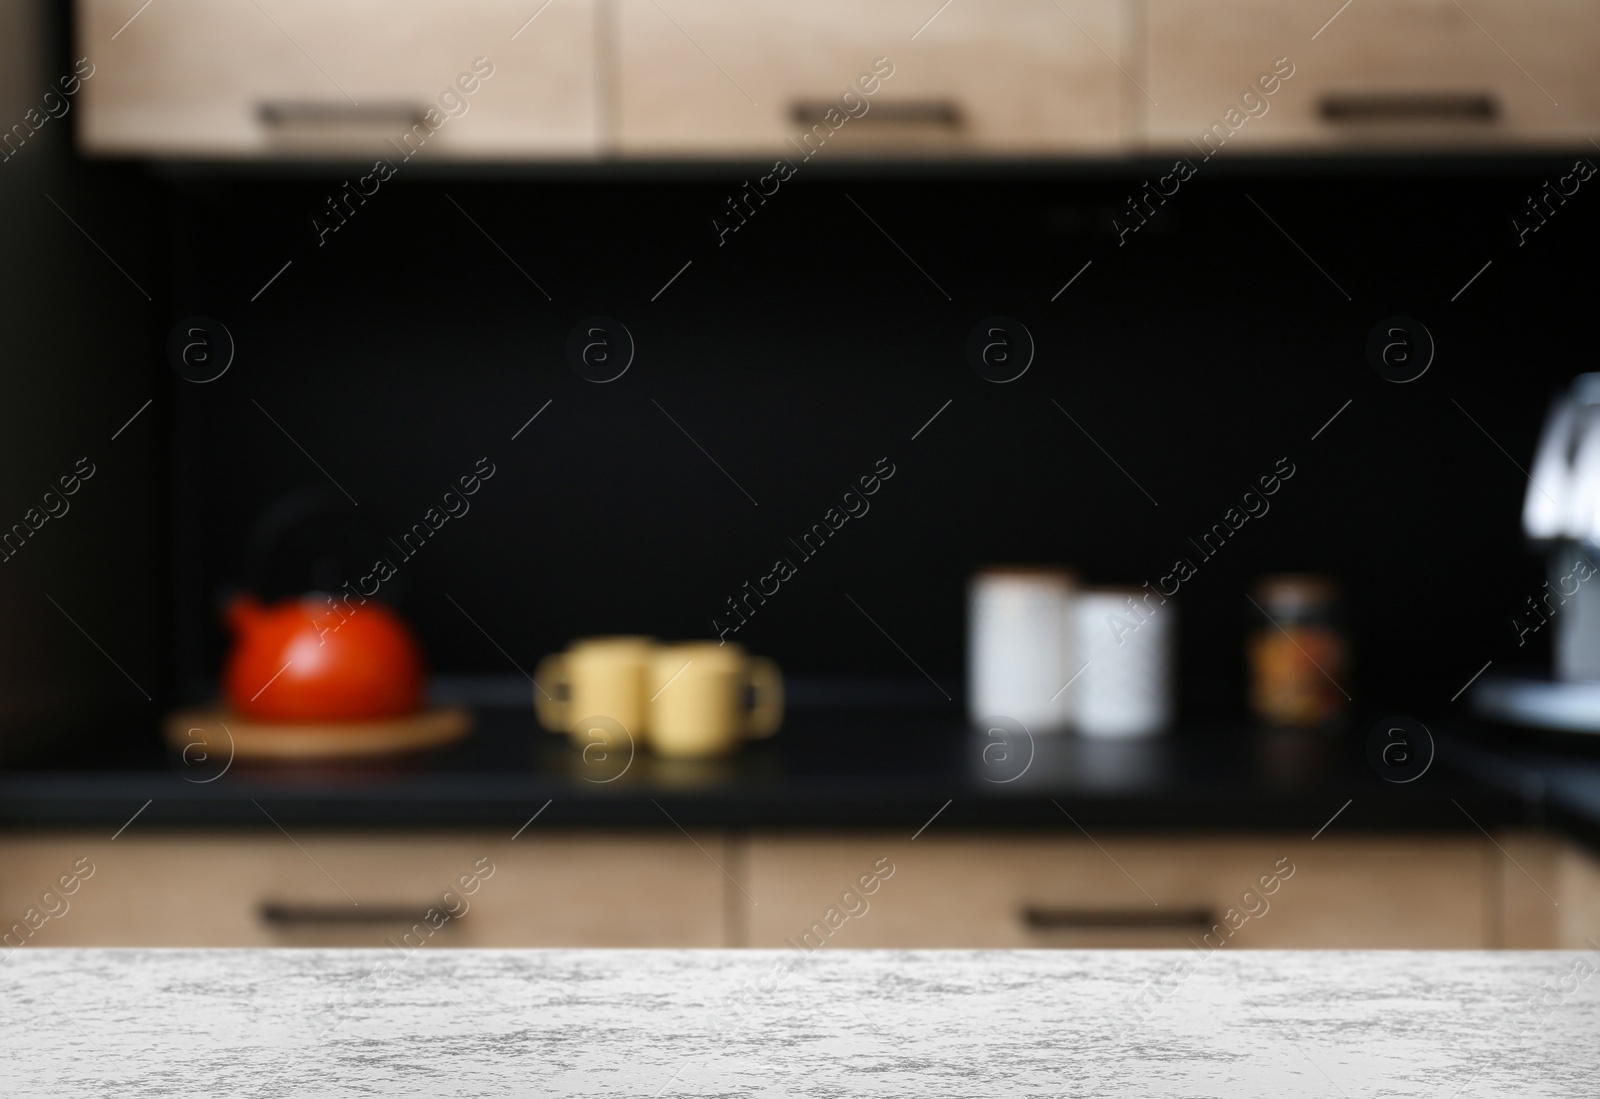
{"x": 679, "y": 79}
{"x": 236, "y": 78}
{"x": 895, "y": 77}
{"x": 1399, "y": 75}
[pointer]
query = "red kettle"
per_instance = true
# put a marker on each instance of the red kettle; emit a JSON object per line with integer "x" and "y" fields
{"x": 316, "y": 659}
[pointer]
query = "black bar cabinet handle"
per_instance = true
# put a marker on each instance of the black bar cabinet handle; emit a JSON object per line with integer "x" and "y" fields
{"x": 1409, "y": 107}
{"x": 944, "y": 113}
{"x": 293, "y": 914}
{"x": 290, "y": 114}
{"x": 1043, "y": 918}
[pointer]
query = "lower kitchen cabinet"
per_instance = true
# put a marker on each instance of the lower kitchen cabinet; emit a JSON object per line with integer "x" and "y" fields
{"x": 1550, "y": 894}
{"x": 846, "y": 890}
{"x": 1152, "y": 892}
{"x": 343, "y": 890}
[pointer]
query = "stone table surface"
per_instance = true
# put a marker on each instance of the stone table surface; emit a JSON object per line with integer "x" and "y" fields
{"x": 439, "y": 1022}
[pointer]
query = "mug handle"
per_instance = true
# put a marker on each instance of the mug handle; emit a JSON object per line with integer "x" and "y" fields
{"x": 767, "y": 713}
{"x": 554, "y": 709}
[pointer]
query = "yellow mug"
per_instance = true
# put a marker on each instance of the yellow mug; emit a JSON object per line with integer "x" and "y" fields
{"x": 596, "y": 677}
{"x": 708, "y": 698}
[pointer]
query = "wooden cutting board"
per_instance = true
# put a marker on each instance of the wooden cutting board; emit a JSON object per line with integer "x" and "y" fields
{"x": 222, "y": 734}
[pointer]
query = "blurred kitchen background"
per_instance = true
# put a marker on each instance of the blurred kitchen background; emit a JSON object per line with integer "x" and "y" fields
{"x": 394, "y": 330}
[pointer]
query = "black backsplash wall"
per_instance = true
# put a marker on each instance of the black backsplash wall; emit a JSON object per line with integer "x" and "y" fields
{"x": 807, "y": 347}
{"x": 81, "y": 295}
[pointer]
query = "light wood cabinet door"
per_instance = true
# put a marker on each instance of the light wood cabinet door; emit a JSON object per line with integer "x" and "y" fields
{"x": 1550, "y": 893}
{"x": 1020, "y": 892}
{"x": 219, "y": 78}
{"x": 322, "y": 889}
{"x": 1532, "y": 887}
{"x": 1578, "y": 887}
{"x": 739, "y": 77}
{"x": 1401, "y": 75}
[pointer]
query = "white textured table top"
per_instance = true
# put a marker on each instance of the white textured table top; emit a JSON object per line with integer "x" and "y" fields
{"x": 841, "y": 1023}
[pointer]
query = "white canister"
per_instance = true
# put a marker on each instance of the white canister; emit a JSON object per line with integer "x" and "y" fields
{"x": 1123, "y": 639}
{"x": 1018, "y": 645}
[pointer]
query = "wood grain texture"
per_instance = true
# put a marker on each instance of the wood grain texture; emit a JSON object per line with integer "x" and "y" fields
{"x": 1578, "y": 925}
{"x": 186, "y": 78}
{"x": 1384, "y": 892}
{"x": 722, "y": 76}
{"x": 1528, "y": 883}
{"x": 186, "y": 890}
{"x": 945, "y": 891}
{"x": 1535, "y": 58}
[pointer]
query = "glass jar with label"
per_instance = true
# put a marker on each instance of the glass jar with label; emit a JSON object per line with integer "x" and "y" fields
{"x": 1298, "y": 655}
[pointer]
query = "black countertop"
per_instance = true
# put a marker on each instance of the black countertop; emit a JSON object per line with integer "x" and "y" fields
{"x": 892, "y": 767}
{"x": 1555, "y": 775}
